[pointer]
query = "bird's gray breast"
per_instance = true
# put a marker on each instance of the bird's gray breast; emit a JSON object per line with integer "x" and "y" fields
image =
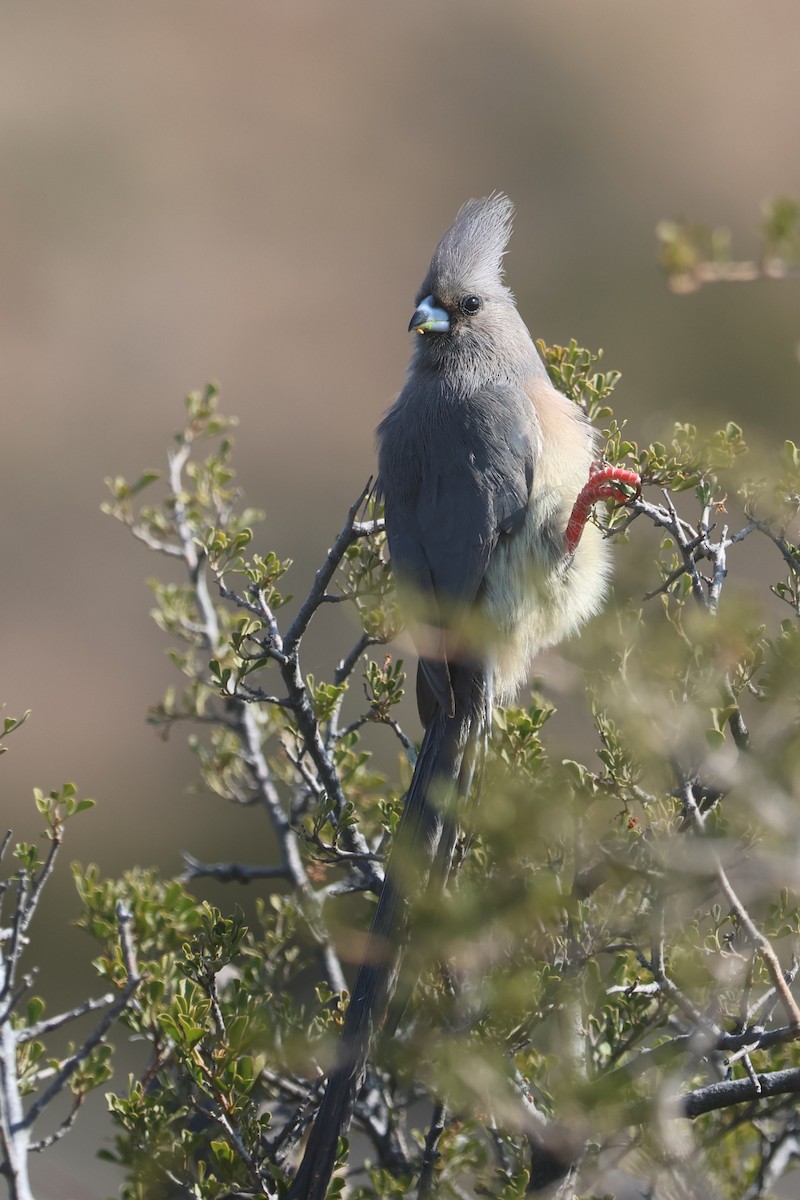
{"x": 456, "y": 474}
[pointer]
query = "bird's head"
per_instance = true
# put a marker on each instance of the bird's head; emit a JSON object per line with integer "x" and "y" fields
{"x": 465, "y": 314}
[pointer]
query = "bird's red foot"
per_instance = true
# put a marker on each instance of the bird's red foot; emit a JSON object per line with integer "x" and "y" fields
{"x": 605, "y": 483}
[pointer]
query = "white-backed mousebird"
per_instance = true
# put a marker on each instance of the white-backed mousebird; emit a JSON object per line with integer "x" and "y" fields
{"x": 487, "y": 475}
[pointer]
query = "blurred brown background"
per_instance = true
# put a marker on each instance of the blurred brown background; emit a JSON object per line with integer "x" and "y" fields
{"x": 249, "y": 191}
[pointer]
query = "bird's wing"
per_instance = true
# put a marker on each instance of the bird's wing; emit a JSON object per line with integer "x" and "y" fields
{"x": 442, "y": 535}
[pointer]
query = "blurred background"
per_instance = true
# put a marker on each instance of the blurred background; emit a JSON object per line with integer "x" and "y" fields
{"x": 249, "y": 192}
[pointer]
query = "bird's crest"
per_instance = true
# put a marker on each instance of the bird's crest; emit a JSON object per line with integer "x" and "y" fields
{"x": 470, "y": 255}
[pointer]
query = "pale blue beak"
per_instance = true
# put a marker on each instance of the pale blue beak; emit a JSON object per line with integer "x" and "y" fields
{"x": 429, "y": 319}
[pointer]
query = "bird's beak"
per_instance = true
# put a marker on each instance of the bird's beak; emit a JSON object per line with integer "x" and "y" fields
{"x": 429, "y": 319}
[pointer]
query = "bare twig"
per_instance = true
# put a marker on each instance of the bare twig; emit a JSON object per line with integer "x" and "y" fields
{"x": 229, "y": 872}
{"x": 154, "y": 543}
{"x": 349, "y": 534}
{"x": 430, "y": 1154}
{"x": 218, "y": 1114}
{"x": 40, "y": 1028}
{"x": 764, "y": 946}
{"x": 771, "y": 993}
{"x": 97, "y": 1035}
{"x": 347, "y": 665}
{"x": 707, "y": 271}
{"x": 710, "y": 1030}
{"x": 64, "y": 1127}
{"x": 16, "y": 1125}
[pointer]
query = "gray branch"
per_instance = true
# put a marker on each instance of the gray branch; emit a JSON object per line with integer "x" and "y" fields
{"x": 228, "y": 872}
{"x": 737, "y": 1091}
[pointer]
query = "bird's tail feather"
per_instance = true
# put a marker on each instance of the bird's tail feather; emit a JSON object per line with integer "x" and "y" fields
{"x": 451, "y": 750}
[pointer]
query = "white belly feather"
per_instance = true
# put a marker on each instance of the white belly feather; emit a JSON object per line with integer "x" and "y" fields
{"x": 533, "y": 596}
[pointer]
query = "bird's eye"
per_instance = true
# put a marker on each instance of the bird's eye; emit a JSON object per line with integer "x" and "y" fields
{"x": 469, "y": 305}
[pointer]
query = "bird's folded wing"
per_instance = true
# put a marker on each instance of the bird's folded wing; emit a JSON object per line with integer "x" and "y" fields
{"x": 441, "y": 539}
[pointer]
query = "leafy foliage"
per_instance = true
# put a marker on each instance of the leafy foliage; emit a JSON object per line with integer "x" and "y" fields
{"x": 621, "y": 934}
{"x": 31, "y": 1075}
{"x": 693, "y": 254}
{"x": 599, "y": 958}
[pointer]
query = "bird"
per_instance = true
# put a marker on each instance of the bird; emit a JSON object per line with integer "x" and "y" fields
{"x": 487, "y": 475}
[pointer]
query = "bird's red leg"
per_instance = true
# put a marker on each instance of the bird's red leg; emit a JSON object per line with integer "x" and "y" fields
{"x": 605, "y": 483}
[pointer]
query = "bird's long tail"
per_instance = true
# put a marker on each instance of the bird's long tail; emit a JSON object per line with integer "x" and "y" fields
{"x": 420, "y": 857}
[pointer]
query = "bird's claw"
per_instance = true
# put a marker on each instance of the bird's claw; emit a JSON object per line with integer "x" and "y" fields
{"x": 605, "y": 482}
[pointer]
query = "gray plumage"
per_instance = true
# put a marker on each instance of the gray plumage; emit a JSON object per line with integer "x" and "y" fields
{"x": 480, "y": 462}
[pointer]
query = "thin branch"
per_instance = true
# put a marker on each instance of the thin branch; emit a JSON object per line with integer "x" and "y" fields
{"x": 347, "y": 665}
{"x": 430, "y": 1154}
{"x": 764, "y": 946}
{"x": 29, "y": 893}
{"x": 679, "y": 528}
{"x": 308, "y": 1095}
{"x": 336, "y": 856}
{"x": 154, "y": 543}
{"x": 369, "y": 528}
{"x": 751, "y": 1074}
{"x": 348, "y": 535}
{"x": 251, "y": 695}
{"x": 749, "y": 1041}
{"x": 229, "y": 872}
{"x": 312, "y": 740}
{"x": 761, "y": 1003}
{"x": 736, "y": 723}
{"x": 216, "y": 1011}
{"x": 669, "y": 989}
{"x": 359, "y": 723}
{"x": 668, "y": 581}
{"x": 776, "y": 1161}
{"x": 193, "y": 557}
{"x": 405, "y": 742}
{"x": 44, "y": 873}
{"x": 313, "y": 787}
{"x": 706, "y": 271}
{"x": 64, "y": 1127}
{"x": 787, "y": 550}
{"x": 743, "y": 533}
{"x": 256, "y": 608}
{"x": 719, "y": 560}
{"x": 98, "y": 1034}
{"x": 296, "y": 1089}
{"x": 292, "y": 863}
{"x": 756, "y": 937}
{"x": 221, "y": 1117}
{"x": 43, "y": 1027}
